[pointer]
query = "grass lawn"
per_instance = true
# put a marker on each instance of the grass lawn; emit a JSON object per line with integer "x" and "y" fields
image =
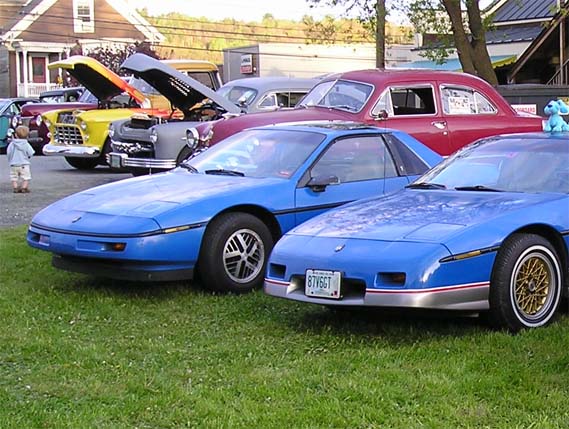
{"x": 79, "y": 352}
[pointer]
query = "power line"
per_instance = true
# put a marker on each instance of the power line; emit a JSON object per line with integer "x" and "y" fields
{"x": 218, "y": 50}
{"x": 115, "y": 25}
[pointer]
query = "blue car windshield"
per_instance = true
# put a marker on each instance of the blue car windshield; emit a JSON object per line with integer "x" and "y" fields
{"x": 259, "y": 153}
{"x": 525, "y": 164}
{"x": 339, "y": 94}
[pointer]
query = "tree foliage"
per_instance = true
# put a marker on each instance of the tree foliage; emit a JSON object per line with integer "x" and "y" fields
{"x": 371, "y": 14}
{"x": 459, "y": 27}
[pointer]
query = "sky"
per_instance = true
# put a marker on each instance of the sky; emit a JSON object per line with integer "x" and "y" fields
{"x": 243, "y": 10}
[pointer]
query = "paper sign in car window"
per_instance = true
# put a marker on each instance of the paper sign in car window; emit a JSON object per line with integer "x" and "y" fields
{"x": 459, "y": 106}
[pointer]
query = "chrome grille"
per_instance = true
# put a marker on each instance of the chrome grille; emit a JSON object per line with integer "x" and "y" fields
{"x": 66, "y": 118}
{"x": 68, "y": 134}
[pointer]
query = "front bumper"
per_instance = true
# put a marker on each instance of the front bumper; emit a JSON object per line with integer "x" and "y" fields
{"x": 155, "y": 257}
{"x": 366, "y": 265}
{"x": 122, "y": 160}
{"x": 71, "y": 151}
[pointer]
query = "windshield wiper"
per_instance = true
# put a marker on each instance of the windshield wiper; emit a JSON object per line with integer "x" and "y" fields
{"x": 343, "y": 107}
{"x": 425, "y": 185}
{"x": 189, "y": 167}
{"x": 477, "y": 188}
{"x": 223, "y": 172}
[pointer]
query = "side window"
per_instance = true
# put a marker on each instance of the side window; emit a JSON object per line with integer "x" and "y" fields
{"x": 409, "y": 162}
{"x": 465, "y": 101}
{"x": 413, "y": 101}
{"x": 295, "y": 97}
{"x": 204, "y": 78}
{"x": 14, "y": 109}
{"x": 354, "y": 159}
{"x": 269, "y": 102}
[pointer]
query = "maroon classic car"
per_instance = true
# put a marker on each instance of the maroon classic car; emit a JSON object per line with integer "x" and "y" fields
{"x": 444, "y": 110}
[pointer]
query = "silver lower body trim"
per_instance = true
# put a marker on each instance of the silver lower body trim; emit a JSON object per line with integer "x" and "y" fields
{"x": 472, "y": 296}
{"x": 126, "y": 161}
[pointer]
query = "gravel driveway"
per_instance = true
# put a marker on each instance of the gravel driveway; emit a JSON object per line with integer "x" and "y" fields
{"x": 52, "y": 179}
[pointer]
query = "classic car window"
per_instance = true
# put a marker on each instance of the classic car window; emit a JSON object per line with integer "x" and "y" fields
{"x": 204, "y": 78}
{"x": 14, "y": 109}
{"x": 341, "y": 94}
{"x": 87, "y": 97}
{"x": 259, "y": 153}
{"x": 412, "y": 164}
{"x": 294, "y": 98}
{"x": 240, "y": 95}
{"x": 53, "y": 99}
{"x": 465, "y": 101}
{"x": 269, "y": 102}
{"x": 143, "y": 86}
{"x": 354, "y": 159}
{"x": 418, "y": 100}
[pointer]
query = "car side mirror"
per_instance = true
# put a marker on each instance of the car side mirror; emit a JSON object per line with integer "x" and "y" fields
{"x": 319, "y": 183}
{"x": 382, "y": 115}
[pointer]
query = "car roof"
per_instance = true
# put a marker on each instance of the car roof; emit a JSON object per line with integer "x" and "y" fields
{"x": 377, "y": 76}
{"x": 274, "y": 82}
{"x": 326, "y": 127}
{"x": 533, "y": 136}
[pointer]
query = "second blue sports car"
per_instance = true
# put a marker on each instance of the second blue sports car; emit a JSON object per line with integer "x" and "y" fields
{"x": 221, "y": 211}
{"x": 487, "y": 230}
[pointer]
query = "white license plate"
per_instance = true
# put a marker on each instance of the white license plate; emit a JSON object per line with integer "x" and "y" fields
{"x": 323, "y": 284}
{"x": 116, "y": 161}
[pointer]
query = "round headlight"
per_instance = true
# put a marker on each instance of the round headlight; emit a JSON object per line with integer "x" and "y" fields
{"x": 38, "y": 120}
{"x": 14, "y": 121}
{"x": 192, "y": 138}
{"x": 47, "y": 122}
{"x": 83, "y": 125}
{"x": 111, "y": 130}
{"x": 153, "y": 135}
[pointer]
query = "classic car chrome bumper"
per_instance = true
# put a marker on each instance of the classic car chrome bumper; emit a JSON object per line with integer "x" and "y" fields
{"x": 71, "y": 151}
{"x": 120, "y": 160}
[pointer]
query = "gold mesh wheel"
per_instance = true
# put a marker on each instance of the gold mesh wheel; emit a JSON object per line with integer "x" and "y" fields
{"x": 533, "y": 284}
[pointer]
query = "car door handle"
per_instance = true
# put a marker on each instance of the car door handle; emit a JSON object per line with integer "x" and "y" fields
{"x": 441, "y": 125}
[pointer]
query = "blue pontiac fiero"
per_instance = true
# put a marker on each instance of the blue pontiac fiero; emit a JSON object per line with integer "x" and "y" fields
{"x": 220, "y": 212}
{"x": 486, "y": 230}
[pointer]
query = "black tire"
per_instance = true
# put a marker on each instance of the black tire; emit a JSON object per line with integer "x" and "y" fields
{"x": 526, "y": 282}
{"x": 249, "y": 242}
{"x": 184, "y": 154}
{"x": 82, "y": 163}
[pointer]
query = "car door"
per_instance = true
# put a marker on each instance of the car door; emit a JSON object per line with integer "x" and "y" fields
{"x": 413, "y": 108}
{"x": 362, "y": 166}
{"x": 469, "y": 115}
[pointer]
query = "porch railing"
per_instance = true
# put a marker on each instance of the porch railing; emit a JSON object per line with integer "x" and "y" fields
{"x": 562, "y": 75}
{"x": 34, "y": 89}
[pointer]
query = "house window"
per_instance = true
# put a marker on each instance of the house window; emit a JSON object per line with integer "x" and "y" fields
{"x": 83, "y": 16}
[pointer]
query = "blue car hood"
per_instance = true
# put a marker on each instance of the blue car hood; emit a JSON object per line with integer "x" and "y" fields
{"x": 140, "y": 200}
{"x": 416, "y": 215}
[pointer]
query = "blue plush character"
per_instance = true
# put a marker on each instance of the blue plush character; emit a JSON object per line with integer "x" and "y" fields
{"x": 556, "y": 123}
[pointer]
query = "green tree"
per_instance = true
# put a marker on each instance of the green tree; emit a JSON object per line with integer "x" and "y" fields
{"x": 463, "y": 32}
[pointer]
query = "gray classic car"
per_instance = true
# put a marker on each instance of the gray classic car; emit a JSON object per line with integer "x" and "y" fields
{"x": 262, "y": 94}
{"x": 145, "y": 144}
